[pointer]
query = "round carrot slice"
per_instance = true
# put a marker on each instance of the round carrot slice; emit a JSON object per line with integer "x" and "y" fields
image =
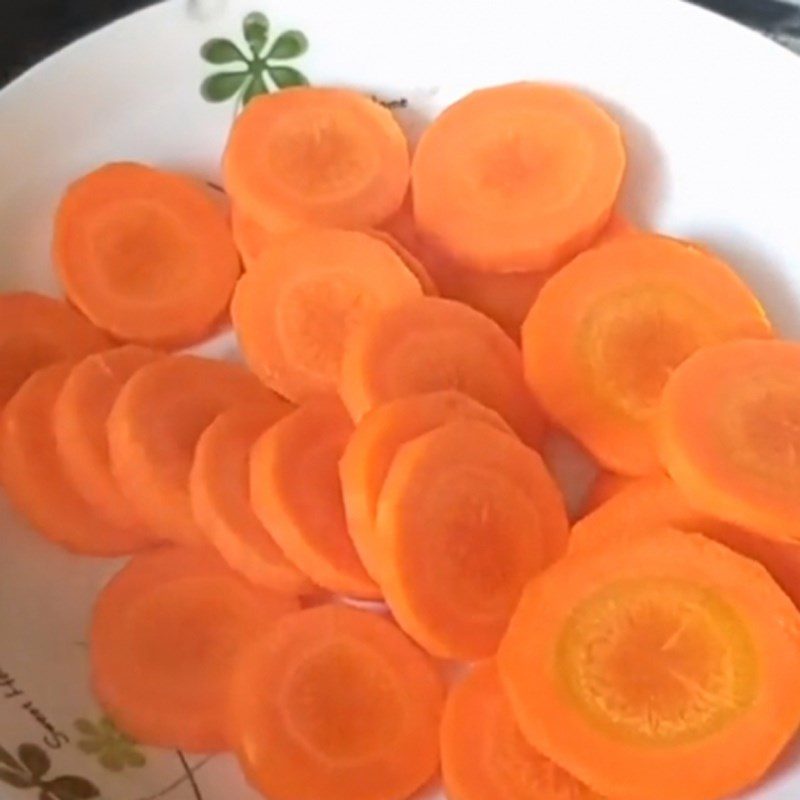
{"x": 293, "y": 315}
{"x": 36, "y": 331}
{"x": 297, "y": 496}
{"x": 373, "y": 446}
{"x": 220, "y": 492}
{"x": 605, "y": 486}
{"x": 80, "y": 417}
{"x": 517, "y": 178}
{"x": 251, "y": 238}
{"x": 37, "y": 482}
{"x": 729, "y": 434}
{"x": 607, "y": 330}
{"x": 146, "y": 254}
{"x": 153, "y": 429}
{"x": 165, "y": 635}
{"x": 414, "y": 265}
{"x": 335, "y": 703}
{"x": 323, "y": 156}
{"x": 429, "y": 344}
{"x": 466, "y": 516}
{"x": 485, "y": 756}
{"x": 637, "y": 667}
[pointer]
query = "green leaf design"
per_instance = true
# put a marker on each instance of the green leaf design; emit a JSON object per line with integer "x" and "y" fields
{"x": 254, "y": 88}
{"x": 71, "y": 787}
{"x": 16, "y": 779}
{"x": 133, "y": 758}
{"x": 285, "y": 77}
{"x": 289, "y": 44}
{"x": 90, "y": 746}
{"x": 222, "y": 86}
{"x": 256, "y": 31}
{"x": 221, "y": 51}
{"x": 36, "y": 761}
{"x": 112, "y": 760}
{"x": 9, "y": 760}
{"x": 86, "y": 727}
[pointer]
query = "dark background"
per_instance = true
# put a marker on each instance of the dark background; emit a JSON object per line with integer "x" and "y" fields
{"x": 32, "y": 29}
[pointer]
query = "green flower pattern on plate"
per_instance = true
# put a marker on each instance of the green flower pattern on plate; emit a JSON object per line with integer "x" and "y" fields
{"x": 261, "y": 69}
{"x": 28, "y": 770}
{"x": 114, "y": 750}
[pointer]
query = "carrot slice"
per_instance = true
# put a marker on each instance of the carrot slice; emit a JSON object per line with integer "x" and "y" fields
{"x": 638, "y": 666}
{"x": 297, "y": 496}
{"x": 607, "y": 330}
{"x": 414, "y": 265}
{"x": 432, "y": 343}
{"x": 80, "y": 416}
{"x": 484, "y": 755}
{"x": 333, "y": 704}
{"x": 38, "y": 484}
{"x": 293, "y": 315}
{"x": 146, "y": 254}
{"x": 648, "y": 504}
{"x": 372, "y": 448}
{"x": 220, "y": 492}
{"x": 466, "y": 516}
{"x": 606, "y": 485}
{"x": 329, "y": 157}
{"x": 165, "y": 634}
{"x": 617, "y": 225}
{"x": 36, "y": 331}
{"x": 517, "y": 178}
{"x": 154, "y": 427}
{"x": 251, "y": 238}
{"x": 729, "y": 434}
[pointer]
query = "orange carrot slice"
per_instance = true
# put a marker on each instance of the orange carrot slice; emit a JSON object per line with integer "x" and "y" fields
{"x": 466, "y": 516}
{"x": 430, "y": 344}
{"x": 251, "y": 238}
{"x": 154, "y": 427}
{"x": 606, "y": 485}
{"x": 37, "y": 483}
{"x": 333, "y": 704}
{"x": 607, "y": 330}
{"x": 220, "y": 491}
{"x": 617, "y": 225}
{"x": 414, "y": 265}
{"x": 517, "y": 178}
{"x": 297, "y": 496}
{"x": 322, "y": 156}
{"x": 165, "y": 634}
{"x": 147, "y": 255}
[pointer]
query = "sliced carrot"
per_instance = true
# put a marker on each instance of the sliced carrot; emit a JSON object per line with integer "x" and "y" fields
{"x": 429, "y": 344}
{"x": 664, "y": 667}
{"x": 297, "y": 496}
{"x": 729, "y": 434}
{"x": 154, "y": 427}
{"x": 335, "y": 704}
{"x": 316, "y": 287}
{"x": 517, "y": 178}
{"x": 37, "y": 482}
{"x": 617, "y": 225}
{"x": 484, "y": 755}
{"x": 220, "y": 491}
{"x": 147, "y": 255}
{"x": 36, "y": 331}
{"x": 606, "y": 485}
{"x": 466, "y": 517}
{"x": 322, "y": 156}
{"x": 414, "y": 265}
{"x": 251, "y": 238}
{"x": 372, "y": 448}
{"x": 607, "y": 330}
{"x": 80, "y": 416}
{"x": 165, "y": 634}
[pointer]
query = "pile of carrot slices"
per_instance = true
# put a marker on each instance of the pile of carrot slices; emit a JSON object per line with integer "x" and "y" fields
{"x": 318, "y": 531}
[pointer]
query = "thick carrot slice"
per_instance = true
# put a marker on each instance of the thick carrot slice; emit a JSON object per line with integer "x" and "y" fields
{"x": 430, "y": 344}
{"x": 147, "y": 255}
{"x": 639, "y": 666}
{"x": 729, "y": 434}
{"x": 606, "y": 485}
{"x": 36, "y": 331}
{"x": 80, "y": 417}
{"x": 38, "y": 484}
{"x": 484, "y": 755}
{"x": 607, "y": 330}
{"x": 297, "y": 496}
{"x": 333, "y": 704}
{"x": 414, "y": 265}
{"x": 165, "y": 634}
{"x": 648, "y": 504}
{"x": 322, "y": 156}
{"x": 372, "y": 448}
{"x": 617, "y": 225}
{"x": 220, "y": 492}
{"x": 154, "y": 427}
{"x": 293, "y": 314}
{"x": 251, "y": 238}
{"x": 517, "y": 178}
{"x": 466, "y": 516}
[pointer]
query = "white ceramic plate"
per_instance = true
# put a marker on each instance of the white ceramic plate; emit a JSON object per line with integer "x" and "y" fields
{"x": 712, "y": 118}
